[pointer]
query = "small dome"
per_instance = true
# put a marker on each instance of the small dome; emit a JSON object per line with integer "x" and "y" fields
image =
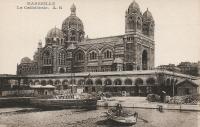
{"x": 118, "y": 61}
{"x": 134, "y": 7}
{"x": 147, "y": 16}
{"x": 72, "y": 21}
{"x": 55, "y": 32}
{"x": 25, "y": 60}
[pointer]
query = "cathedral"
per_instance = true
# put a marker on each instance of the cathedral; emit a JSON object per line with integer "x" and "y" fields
{"x": 67, "y": 50}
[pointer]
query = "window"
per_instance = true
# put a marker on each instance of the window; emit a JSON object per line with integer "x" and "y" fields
{"x": 139, "y": 24}
{"x": 47, "y": 58}
{"x": 79, "y": 56}
{"x": 107, "y": 54}
{"x": 93, "y": 55}
{"x": 61, "y": 58}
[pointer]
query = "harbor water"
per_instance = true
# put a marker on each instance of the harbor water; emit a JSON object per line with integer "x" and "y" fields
{"x": 32, "y": 117}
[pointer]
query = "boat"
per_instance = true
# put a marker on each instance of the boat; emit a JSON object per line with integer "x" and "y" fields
{"x": 122, "y": 117}
{"x": 62, "y": 102}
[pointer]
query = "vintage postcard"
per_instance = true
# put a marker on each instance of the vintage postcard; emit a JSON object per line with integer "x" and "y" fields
{"x": 99, "y": 63}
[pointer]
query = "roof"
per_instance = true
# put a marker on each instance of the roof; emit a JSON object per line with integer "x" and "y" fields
{"x": 25, "y": 60}
{"x": 118, "y": 38}
{"x": 187, "y": 80}
{"x": 197, "y": 81}
{"x": 42, "y": 87}
{"x": 55, "y": 32}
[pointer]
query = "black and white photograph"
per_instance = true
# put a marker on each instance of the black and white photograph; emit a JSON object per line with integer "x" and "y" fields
{"x": 99, "y": 63}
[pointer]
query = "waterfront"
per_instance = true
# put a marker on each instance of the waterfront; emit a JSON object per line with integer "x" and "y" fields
{"x": 31, "y": 117}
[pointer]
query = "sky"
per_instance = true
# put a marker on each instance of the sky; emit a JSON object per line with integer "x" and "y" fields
{"x": 177, "y": 26}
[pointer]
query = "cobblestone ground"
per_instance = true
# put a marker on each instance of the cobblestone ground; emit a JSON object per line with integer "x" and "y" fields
{"x": 23, "y": 117}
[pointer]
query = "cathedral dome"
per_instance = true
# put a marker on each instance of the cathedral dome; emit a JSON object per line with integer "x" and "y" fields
{"x": 25, "y": 60}
{"x": 134, "y": 7}
{"x": 147, "y": 16}
{"x": 72, "y": 22}
{"x": 55, "y": 33}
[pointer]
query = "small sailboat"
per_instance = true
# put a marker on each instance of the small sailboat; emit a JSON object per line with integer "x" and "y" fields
{"x": 122, "y": 117}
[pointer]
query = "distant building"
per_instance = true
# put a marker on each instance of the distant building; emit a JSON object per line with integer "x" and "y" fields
{"x": 169, "y": 67}
{"x": 66, "y": 50}
{"x": 189, "y": 68}
{"x": 184, "y": 67}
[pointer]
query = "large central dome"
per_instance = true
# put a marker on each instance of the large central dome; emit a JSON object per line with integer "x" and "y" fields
{"x": 73, "y": 26}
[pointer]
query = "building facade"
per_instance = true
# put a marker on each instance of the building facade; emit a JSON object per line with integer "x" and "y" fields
{"x": 67, "y": 50}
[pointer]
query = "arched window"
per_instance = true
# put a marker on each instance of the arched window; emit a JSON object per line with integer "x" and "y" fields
{"x": 61, "y": 58}
{"x": 65, "y": 82}
{"x": 57, "y": 82}
{"x": 89, "y": 82}
{"x": 139, "y": 25}
{"x": 118, "y": 82}
{"x": 81, "y": 82}
{"x": 138, "y": 82}
{"x": 107, "y": 54}
{"x": 144, "y": 60}
{"x": 128, "y": 82}
{"x": 43, "y": 82}
{"x": 79, "y": 56}
{"x": 47, "y": 59}
{"x": 150, "y": 81}
{"x": 73, "y": 35}
{"x": 108, "y": 82}
{"x": 98, "y": 82}
{"x": 50, "y": 82}
{"x": 93, "y": 55}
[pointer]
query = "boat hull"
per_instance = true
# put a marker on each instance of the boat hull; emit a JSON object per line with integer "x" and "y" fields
{"x": 64, "y": 103}
{"x": 124, "y": 120}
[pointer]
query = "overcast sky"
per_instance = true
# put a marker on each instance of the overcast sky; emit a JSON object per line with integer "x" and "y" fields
{"x": 177, "y": 27}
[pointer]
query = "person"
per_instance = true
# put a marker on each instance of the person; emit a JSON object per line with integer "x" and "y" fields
{"x": 118, "y": 109}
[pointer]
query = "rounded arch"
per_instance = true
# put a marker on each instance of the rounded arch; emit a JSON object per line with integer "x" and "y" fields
{"x": 108, "y": 82}
{"x": 144, "y": 60}
{"x": 107, "y": 52}
{"x": 81, "y": 82}
{"x": 93, "y": 55}
{"x": 98, "y": 82}
{"x": 61, "y": 70}
{"x": 89, "y": 82}
{"x": 72, "y": 81}
{"x": 118, "y": 82}
{"x": 138, "y": 82}
{"x": 36, "y": 82}
{"x": 65, "y": 82}
{"x": 47, "y": 56}
{"x": 79, "y": 55}
{"x": 57, "y": 82}
{"x": 139, "y": 23}
{"x": 150, "y": 81}
{"x": 128, "y": 81}
{"x": 43, "y": 82}
{"x": 50, "y": 82}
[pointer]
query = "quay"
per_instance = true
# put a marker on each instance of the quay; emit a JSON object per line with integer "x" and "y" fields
{"x": 127, "y": 102}
{"x": 141, "y": 102}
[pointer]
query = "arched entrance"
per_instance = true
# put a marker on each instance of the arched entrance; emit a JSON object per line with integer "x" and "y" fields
{"x": 62, "y": 70}
{"x": 138, "y": 83}
{"x": 144, "y": 60}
